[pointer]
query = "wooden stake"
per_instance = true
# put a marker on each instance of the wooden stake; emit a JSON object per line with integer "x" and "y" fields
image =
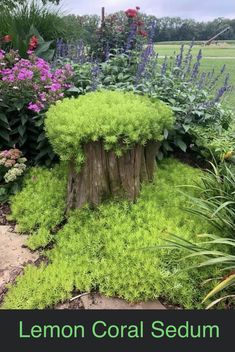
{"x": 102, "y": 15}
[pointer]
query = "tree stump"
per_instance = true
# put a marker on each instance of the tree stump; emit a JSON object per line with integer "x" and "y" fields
{"x": 104, "y": 175}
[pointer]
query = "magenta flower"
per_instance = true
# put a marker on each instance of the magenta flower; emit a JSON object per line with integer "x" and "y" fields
{"x": 54, "y": 87}
{"x": 36, "y": 107}
{"x": 9, "y": 78}
{"x": 35, "y": 81}
{"x": 25, "y": 74}
{"x": 42, "y": 96}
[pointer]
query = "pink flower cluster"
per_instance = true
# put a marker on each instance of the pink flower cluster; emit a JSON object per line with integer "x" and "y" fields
{"x": 8, "y": 157}
{"x": 34, "y": 80}
{"x": 14, "y": 163}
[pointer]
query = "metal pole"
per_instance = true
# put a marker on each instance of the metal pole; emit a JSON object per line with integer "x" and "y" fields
{"x": 217, "y": 35}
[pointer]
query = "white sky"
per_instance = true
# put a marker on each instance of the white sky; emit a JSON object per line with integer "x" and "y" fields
{"x": 198, "y": 9}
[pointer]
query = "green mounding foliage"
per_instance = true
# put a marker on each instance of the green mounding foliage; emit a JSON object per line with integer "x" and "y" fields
{"x": 113, "y": 116}
{"x": 39, "y": 207}
{"x": 113, "y": 248}
{"x": 40, "y": 238}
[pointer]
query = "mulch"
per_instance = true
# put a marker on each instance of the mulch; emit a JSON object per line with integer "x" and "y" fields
{"x": 192, "y": 159}
{"x": 4, "y": 212}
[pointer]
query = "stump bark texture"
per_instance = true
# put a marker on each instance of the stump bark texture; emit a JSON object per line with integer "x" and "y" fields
{"x": 104, "y": 175}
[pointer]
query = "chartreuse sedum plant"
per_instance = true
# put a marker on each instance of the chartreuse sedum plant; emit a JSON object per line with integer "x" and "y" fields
{"x": 119, "y": 119}
{"x": 107, "y": 250}
{"x": 39, "y": 207}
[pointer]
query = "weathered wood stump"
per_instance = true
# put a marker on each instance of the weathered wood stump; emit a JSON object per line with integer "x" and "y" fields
{"x": 104, "y": 175}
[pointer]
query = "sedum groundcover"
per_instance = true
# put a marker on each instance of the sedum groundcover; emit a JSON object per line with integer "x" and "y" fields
{"x": 112, "y": 249}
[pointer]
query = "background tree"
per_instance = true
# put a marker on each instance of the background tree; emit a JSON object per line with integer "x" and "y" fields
{"x": 13, "y": 3}
{"x": 81, "y": 27}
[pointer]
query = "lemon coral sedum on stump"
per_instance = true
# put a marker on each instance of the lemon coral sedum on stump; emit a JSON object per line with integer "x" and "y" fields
{"x": 110, "y": 140}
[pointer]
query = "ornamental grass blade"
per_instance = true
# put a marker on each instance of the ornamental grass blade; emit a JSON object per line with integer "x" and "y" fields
{"x": 221, "y": 286}
{"x": 227, "y": 259}
{"x": 222, "y": 206}
{"x": 206, "y": 253}
{"x": 219, "y": 300}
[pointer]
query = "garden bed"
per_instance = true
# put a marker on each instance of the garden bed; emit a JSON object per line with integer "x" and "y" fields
{"x": 82, "y": 128}
{"x": 112, "y": 249}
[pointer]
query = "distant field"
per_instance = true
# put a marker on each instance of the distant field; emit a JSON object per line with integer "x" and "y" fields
{"x": 214, "y": 56}
{"x": 198, "y": 42}
{"x": 222, "y": 50}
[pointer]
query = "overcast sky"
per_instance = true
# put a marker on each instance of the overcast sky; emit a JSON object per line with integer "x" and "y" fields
{"x": 197, "y": 9}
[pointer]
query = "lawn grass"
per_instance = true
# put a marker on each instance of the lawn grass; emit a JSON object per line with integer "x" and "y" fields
{"x": 213, "y": 57}
{"x": 208, "y": 64}
{"x": 226, "y": 50}
{"x": 197, "y": 42}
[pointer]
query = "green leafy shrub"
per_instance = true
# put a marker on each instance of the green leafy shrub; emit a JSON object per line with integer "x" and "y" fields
{"x": 219, "y": 142}
{"x": 83, "y": 79}
{"x": 115, "y": 73}
{"x": 119, "y": 70}
{"x": 109, "y": 249}
{"x": 123, "y": 31}
{"x": 115, "y": 117}
{"x": 39, "y": 207}
{"x": 33, "y": 42}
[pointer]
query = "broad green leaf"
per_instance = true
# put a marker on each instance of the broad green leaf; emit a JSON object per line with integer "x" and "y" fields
{"x": 5, "y": 135}
{"x": 181, "y": 145}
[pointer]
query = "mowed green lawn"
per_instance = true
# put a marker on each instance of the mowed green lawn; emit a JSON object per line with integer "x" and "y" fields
{"x": 214, "y": 56}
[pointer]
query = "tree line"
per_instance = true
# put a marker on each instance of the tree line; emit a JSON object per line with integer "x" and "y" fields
{"x": 176, "y": 28}
{"x": 165, "y": 28}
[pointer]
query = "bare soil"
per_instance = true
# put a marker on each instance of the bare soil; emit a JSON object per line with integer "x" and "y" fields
{"x": 13, "y": 256}
{"x": 192, "y": 159}
{"x": 97, "y": 301}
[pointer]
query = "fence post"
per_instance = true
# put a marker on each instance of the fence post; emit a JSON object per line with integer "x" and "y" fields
{"x": 102, "y": 16}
